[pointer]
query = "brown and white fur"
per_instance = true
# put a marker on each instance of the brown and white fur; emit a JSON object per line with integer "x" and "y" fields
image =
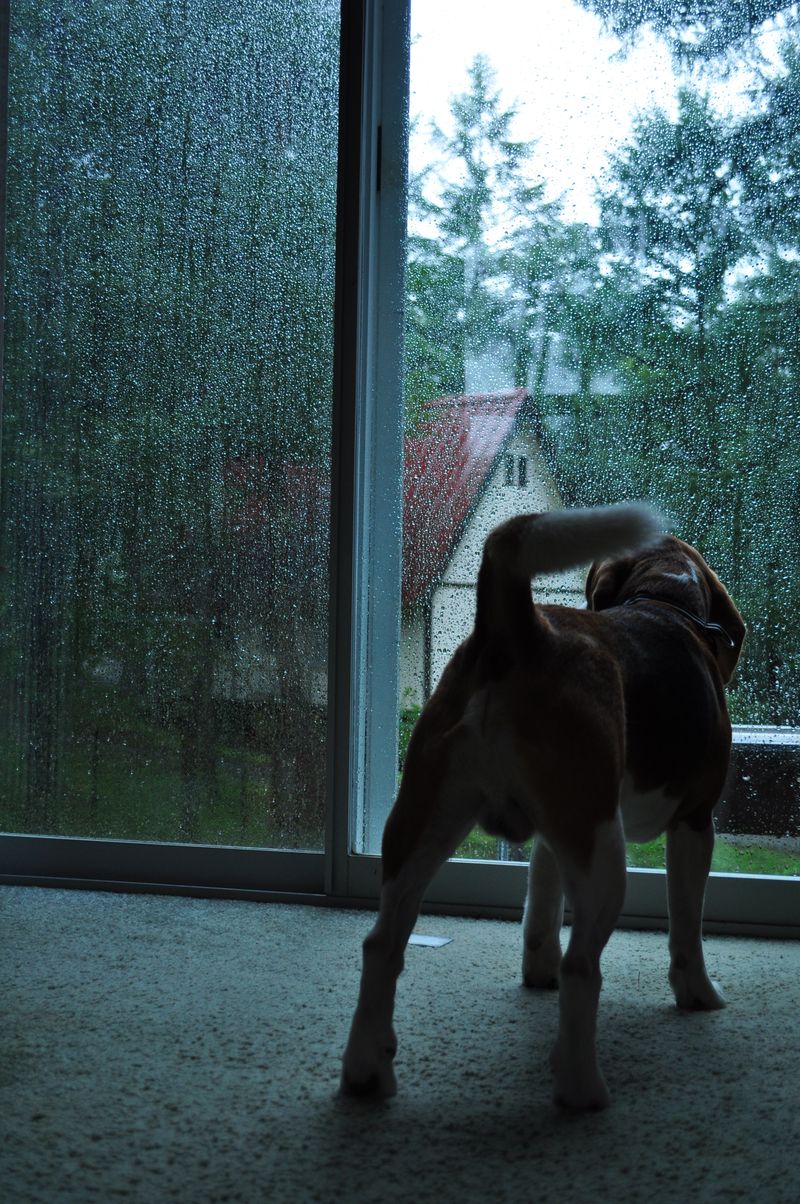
{"x": 581, "y": 728}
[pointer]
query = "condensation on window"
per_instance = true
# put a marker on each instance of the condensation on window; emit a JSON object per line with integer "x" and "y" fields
{"x": 168, "y": 351}
{"x": 604, "y": 287}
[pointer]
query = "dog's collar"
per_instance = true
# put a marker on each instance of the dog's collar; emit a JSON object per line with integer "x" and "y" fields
{"x": 714, "y": 628}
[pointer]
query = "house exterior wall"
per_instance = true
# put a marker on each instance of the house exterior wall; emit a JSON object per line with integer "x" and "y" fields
{"x": 412, "y": 658}
{"x": 453, "y": 602}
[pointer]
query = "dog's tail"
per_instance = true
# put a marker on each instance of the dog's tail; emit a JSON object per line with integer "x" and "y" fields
{"x": 530, "y": 545}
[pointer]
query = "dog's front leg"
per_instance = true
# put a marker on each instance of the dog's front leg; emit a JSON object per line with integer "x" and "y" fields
{"x": 544, "y": 915}
{"x": 595, "y": 894}
{"x": 424, "y": 828}
{"x": 367, "y": 1064}
{"x": 689, "y": 855}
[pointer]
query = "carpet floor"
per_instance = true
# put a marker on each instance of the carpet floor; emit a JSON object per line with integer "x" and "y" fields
{"x": 158, "y": 1049}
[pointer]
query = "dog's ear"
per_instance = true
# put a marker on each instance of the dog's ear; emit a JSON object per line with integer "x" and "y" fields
{"x": 605, "y": 581}
{"x": 724, "y": 612}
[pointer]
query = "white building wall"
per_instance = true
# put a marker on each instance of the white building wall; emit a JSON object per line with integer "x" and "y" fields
{"x": 453, "y": 602}
{"x": 412, "y": 659}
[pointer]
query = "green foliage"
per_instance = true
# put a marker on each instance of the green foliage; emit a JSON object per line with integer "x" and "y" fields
{"x": 409, "y": 715}
{"x": 708, "y": 421}
{"x": 434, "y": 345}
{"x": 672, "y": 209}
{"x": 765, "y": 149}
{"x": 696, "y": 29}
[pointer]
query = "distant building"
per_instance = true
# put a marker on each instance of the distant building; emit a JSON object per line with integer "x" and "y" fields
{"x": 476, "y": 460}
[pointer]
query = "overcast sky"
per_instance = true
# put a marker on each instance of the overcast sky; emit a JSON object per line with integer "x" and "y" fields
{"x": 577, "y": 94}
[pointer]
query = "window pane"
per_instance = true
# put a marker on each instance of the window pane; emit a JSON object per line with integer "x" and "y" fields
{"x": 603, "y": 287}
{"x": 170, "y": 263}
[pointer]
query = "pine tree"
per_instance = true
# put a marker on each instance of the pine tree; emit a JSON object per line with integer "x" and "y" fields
{"x": 492, "y": 254}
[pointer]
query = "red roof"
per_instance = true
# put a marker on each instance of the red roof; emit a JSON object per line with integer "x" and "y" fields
{"x": 447, "y": 462}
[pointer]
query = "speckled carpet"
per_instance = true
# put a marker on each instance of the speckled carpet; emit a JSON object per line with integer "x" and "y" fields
{"x": 159, "y": 1049}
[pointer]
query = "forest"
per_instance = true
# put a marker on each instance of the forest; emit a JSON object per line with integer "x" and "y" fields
{"x": 170, "y": 259}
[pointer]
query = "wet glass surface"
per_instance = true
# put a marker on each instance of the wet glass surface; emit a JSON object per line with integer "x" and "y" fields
{"x": 168, "y": 368}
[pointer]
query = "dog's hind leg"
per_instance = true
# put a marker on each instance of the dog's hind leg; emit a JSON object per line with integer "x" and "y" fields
{"x": 595, "y": 894}
{"x": 688, "y": 863}
{"x": 544, "y": 915}
{"x": 434, "y": 811}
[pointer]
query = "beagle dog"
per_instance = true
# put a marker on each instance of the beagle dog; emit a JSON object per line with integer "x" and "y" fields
{"x": 581, "y": 728}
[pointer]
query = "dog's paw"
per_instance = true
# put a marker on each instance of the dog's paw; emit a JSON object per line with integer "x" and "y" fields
{"x": 367, "y": 1069}
{"x": 694, "y": 991}
{"x": 541, "y": 966}
{"x": 578, "y": 1088}
{"x": 590, "y": 1097}
{"x": 380, "y": 1084}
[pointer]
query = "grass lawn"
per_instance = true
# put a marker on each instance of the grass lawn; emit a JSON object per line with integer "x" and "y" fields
{"x": 739, "y": 858}
{"x": 137, "y": 793}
